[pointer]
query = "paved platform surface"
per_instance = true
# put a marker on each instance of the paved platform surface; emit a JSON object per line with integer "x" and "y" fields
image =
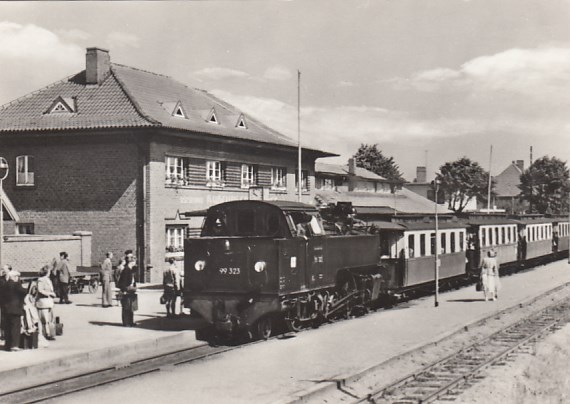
{"x": 93, "y": 337}
{"x": 273, "y": 371}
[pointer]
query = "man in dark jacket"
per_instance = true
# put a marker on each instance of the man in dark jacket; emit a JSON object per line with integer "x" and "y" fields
{"x": 64, "y": 275}
{"x": 128, "y": 287}
{"x": 3, "y": 280}
{"x": 14, "y": 306}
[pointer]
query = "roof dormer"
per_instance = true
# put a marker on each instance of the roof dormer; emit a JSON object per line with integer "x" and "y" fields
{"x": 64, "y": 105}
{"x": 241, "y": 122}
{"x": 212, "y": 118}
{"x": 179, "y": 111}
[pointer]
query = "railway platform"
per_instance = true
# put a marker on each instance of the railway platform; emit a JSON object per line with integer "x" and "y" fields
{"x": 93, "y": 337}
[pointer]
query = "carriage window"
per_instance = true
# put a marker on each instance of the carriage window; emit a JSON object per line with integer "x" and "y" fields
{"x": 411, "y": 245}
{"x": 432, "y": 244}
{"x": 452, "y": 239}
{"x": 483, "y": 238}
{"x": 496, "y": 241}
{"x": 502, "y": 235}
{"x": 489, "y": 235}
{"x": 422, "y": 245}
{"x": 443, "y": 245}
{"x": 461, "y": 241}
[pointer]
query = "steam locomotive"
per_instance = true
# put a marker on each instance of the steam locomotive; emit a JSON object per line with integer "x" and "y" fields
{"x": 261, "y": 264}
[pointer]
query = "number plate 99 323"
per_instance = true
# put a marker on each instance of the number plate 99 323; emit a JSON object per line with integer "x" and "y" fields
{"x": 230, "y": 271}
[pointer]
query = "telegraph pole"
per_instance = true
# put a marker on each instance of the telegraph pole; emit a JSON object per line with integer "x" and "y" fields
{"x": 300, "y": 173}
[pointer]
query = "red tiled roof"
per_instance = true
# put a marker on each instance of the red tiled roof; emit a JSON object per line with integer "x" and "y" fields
{"x": 131, "y": 97}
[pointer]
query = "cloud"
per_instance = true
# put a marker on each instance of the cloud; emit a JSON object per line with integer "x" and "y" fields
{"x": 15, "y": 40}
{"x": 74, "y": 34}
{"x": 277, "y": 73}
{"x": 219, "y": 73}
{"x": 25, "y": 47}
{"x": 539, "y": 72}
{"x": 122, "y": 39}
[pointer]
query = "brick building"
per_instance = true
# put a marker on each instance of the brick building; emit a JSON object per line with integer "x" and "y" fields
{"x": 121, "y": 152}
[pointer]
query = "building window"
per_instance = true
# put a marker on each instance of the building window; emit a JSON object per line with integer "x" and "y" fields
{"x": 215, "y": 173}
{"x": 248, "y": 174}
{"x": 278, "y": 178}
{"x": 175, "y": 170}
{"x": 304, "y": 180}
{"x": 25, "y": 170}
{"x": 25, "y": 228}
{"x": 175, "y": 238}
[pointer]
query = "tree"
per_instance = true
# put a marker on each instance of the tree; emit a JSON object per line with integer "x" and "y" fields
{"x": 372, "y": 159}
{"x": 462, "y": 180}
{"x": 545, "y": 185}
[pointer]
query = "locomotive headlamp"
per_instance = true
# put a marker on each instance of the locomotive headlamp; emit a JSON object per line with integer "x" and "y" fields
{"x": 200, "y": 265}
{"x": 260, "y": 266}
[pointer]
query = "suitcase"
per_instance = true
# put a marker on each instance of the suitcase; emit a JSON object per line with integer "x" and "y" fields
{"x": 58, "y": 327}
{"x": 29, "y": 341}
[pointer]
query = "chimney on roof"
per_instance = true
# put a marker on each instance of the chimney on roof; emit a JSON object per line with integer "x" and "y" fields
{"x": 351, "y": 174}
{"x": 421, "y": 175}
{"x": 519, "y": 164}
{"x": 97, "y": 65}
{"x": 351, "y": 166}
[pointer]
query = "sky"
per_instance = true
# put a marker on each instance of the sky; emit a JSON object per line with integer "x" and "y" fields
{"x": 428, "y": 81}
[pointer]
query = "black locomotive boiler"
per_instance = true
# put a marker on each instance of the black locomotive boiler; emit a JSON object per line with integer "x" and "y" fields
{"x": 258, "y": 264}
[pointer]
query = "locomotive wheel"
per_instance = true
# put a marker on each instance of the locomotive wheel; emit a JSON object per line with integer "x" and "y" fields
{"x": 293, "y": 324}
{"x": 263, "y": 327}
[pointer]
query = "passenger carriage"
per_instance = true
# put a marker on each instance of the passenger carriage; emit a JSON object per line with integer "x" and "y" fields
{"x": 491, "y": 233}
{"x": 408, "y": 246}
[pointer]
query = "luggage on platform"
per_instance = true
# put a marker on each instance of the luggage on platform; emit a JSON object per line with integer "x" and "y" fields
{"x": 29, "y": 341}
{"x": 58, "y": 327}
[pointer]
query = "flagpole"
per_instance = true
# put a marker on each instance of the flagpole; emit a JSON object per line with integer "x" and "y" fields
{"x": 489, "y": 187}
{"x": 300, "y": 173}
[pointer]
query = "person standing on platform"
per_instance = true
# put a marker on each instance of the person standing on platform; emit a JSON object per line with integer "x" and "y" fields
{"x": 171, "y": 283}
{"x": 3, "y": 280}
{"x": 64, "y": 276}
{"x": 14, "y": 296}
{"x": 45, "y": 303}
{"x": 128, "y": 286}
{"x": 107, "y": 284}
{"x": 489, "y": 274}
{"x": 53, "y": 276}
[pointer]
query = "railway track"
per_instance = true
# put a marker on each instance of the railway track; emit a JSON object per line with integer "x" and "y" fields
{"x": 445, "y": 379}
{"x": 57, "y": 388}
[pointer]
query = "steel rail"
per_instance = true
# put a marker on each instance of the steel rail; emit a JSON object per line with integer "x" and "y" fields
{"x": 492, "y": 357}
{"x": 87, "y": 380}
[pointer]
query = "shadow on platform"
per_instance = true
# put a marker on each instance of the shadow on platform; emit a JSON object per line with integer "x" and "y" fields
{"x": 466, "y": 300}
{"x": 182, "y": 323}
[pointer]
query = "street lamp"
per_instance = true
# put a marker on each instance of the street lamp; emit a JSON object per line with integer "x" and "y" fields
{"x": 3, "y": 174}
{"x": 436, "y": 269}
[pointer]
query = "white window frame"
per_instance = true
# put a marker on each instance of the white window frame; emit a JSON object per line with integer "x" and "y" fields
{"x": 175, "y": 237}
{"x": 175, "y": 169}
{"x": 24, "y": 178}
{"x": 215, "y": 173}
{"x": 278, "y": 178}
{"x": 247, "y": 175}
